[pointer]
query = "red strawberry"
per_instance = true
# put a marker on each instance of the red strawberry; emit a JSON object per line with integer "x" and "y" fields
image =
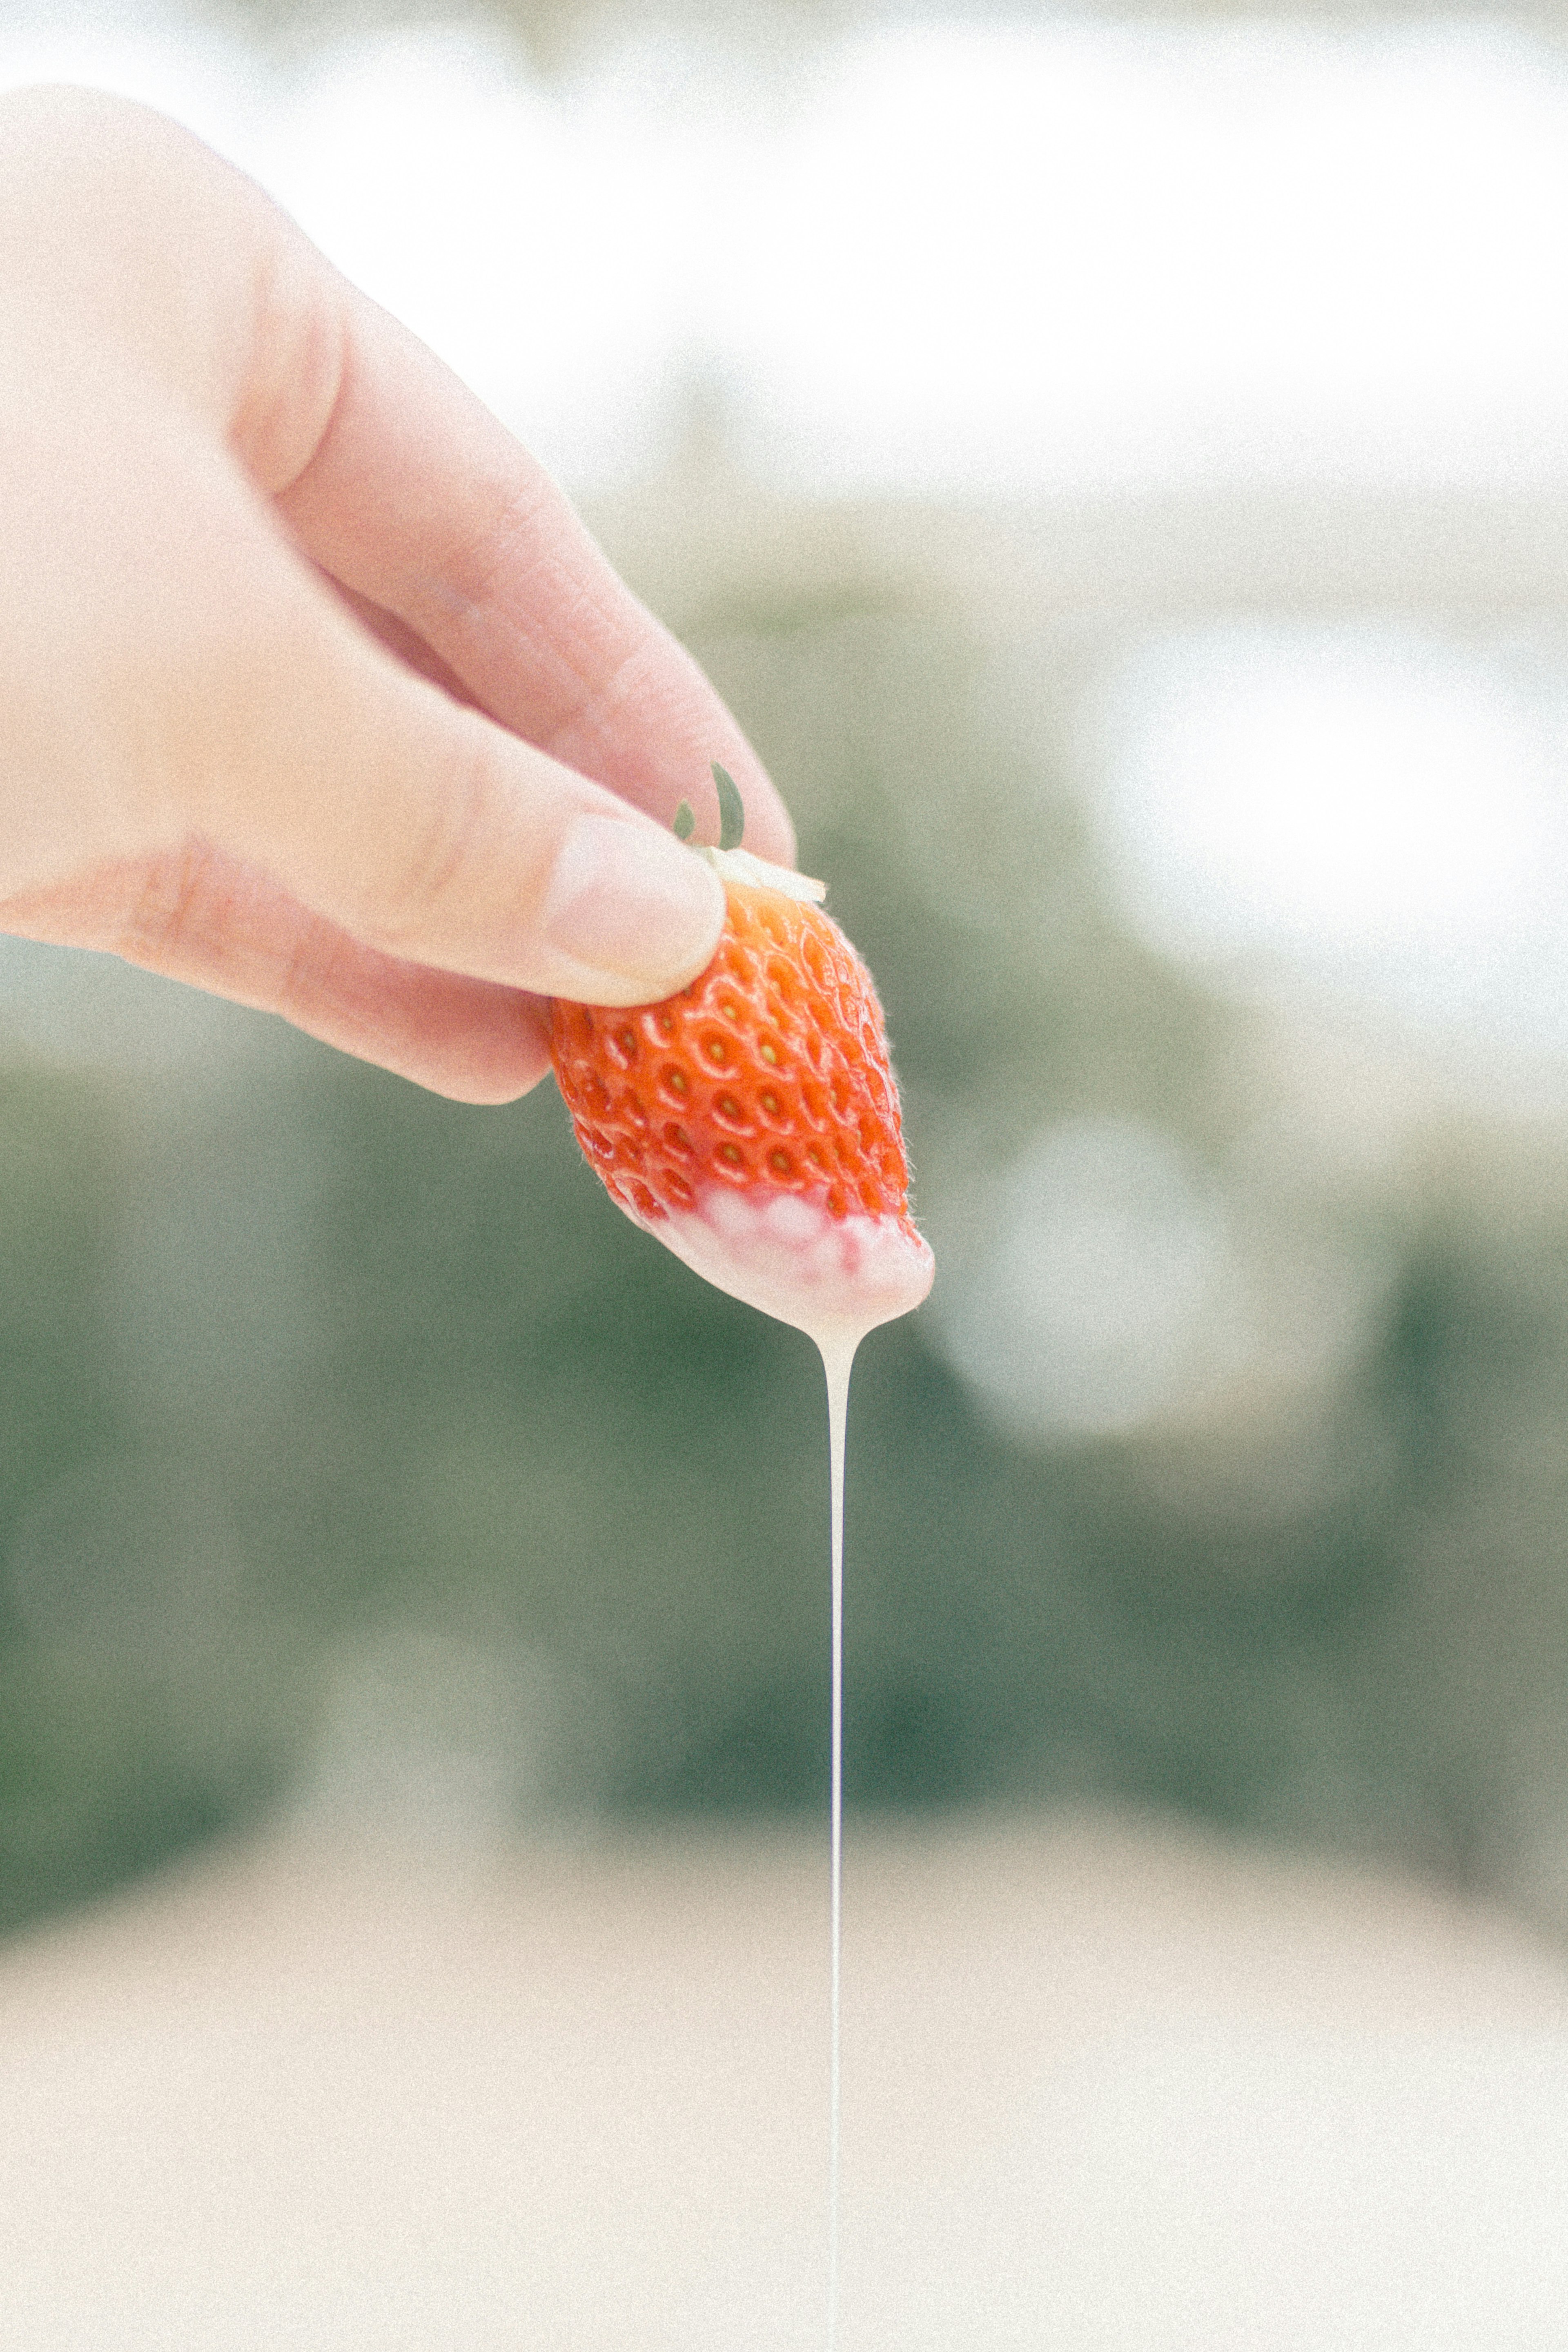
{"x": 752, "y": 1121}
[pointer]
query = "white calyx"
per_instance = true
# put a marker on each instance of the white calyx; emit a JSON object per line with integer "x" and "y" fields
{"x": 739, "y": 866}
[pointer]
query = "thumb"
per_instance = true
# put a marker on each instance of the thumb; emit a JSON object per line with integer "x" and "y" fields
{"x": 427, "y": 830}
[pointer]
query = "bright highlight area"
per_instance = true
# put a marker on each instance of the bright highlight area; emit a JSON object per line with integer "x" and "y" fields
{"x": 1107, "y": 1292}
{"x": 1378, "y": 810}
{"x": 953, "y": 260}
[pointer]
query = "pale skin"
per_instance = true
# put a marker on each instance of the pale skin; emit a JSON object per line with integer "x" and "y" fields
{"x": 314, "y": 690}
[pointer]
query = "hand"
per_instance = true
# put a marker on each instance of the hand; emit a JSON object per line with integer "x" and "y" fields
{"x": 313, "y": 689}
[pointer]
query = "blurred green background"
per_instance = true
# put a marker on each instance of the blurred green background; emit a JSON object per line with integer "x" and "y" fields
{"x": 359, "y": 1462}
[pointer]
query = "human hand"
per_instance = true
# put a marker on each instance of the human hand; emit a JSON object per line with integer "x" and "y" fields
{"x": 314, "y": 691}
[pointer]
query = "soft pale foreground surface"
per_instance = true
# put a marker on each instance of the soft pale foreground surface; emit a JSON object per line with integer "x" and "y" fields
{"x": 1105, "y": 2087}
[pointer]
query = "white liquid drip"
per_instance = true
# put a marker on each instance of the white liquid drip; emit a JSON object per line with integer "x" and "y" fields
{"x": 835, "y": 1280}
{"x": 838, "y": 1359}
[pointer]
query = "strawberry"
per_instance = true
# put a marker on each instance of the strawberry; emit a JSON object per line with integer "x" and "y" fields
{"x": 751, "y": 1121}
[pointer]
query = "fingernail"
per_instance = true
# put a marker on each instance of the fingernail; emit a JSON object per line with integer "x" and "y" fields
{"x": 635, "y": 911}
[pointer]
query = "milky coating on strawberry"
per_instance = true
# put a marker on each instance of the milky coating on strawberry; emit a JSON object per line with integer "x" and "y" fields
{"x": 752, "y": 1123}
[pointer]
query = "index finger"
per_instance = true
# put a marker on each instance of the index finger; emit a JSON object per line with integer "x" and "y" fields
{"x": 418, "y": 498}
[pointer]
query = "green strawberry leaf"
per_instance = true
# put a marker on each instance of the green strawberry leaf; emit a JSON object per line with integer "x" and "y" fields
{"x": 731, "y": 809}
{"x": 685, "y": 824}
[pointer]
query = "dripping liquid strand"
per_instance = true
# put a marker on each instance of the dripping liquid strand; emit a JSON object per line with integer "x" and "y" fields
{"x": 836, "y": 1361}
